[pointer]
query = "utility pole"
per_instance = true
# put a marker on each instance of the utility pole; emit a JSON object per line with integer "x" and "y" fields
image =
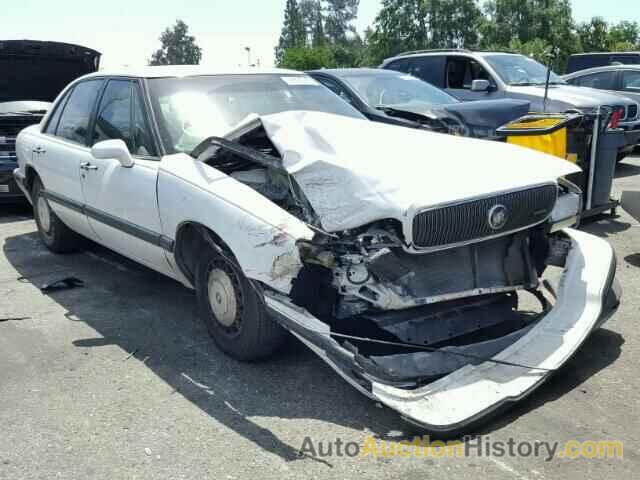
{"x": 248, "y": 49}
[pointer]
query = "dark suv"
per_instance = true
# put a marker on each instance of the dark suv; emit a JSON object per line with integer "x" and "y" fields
{"x": 582, "y": 61}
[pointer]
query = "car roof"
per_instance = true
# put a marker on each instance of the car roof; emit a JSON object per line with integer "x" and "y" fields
{"x": 350, "y": 72}
{"x": 426, "y": 53}
{"x": 606, "y": 68}
{"x": 176, "y": 71}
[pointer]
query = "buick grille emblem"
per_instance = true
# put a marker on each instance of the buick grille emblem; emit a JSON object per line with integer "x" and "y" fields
{"x": 498, "y": 216}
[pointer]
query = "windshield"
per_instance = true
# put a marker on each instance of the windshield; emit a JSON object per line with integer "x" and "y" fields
{"x": 189, "y": 110}
{"x": 521, "y": 70}
{"x": 396, "y": 89}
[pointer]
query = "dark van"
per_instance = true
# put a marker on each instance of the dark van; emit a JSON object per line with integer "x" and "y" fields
{"x": 582, "y": 61}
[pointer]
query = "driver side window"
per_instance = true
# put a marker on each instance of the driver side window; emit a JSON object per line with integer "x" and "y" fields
{"x": 113, "y": 120}
{"x": 462, "y": 71}
{"x": 121, "y": 116}
{"x": 337, "y": 89}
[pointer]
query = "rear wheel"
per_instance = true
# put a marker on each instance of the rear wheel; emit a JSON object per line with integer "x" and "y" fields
{"x": 233, "y": 310}
{"x": 55, "y": 235}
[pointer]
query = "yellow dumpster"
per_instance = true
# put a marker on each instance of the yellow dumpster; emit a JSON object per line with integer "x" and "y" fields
{"x": 543, "y": 132}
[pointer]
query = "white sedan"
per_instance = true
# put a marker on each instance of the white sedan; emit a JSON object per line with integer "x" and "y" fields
{"x": 400, "y": 257}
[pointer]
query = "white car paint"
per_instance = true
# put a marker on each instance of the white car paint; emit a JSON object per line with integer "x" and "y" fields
{"x": 353, "y": 172}
{"x": 261, "y": 236}
{"x": 374, "y": 171}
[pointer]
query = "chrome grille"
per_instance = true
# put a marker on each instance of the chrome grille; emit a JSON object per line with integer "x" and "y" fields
{"x": 468, "y": 221}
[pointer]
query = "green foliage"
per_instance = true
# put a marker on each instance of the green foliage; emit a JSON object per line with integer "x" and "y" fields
{"x": 328, "y": 37}
{"x": 530, "y": 27}
{"x": 593, "y": 35}
{"x": 339, "y": 15}
{"x": 417, "y": 24}
{"x": 307, "y": 58}
{"x": 293, "y": 33}
{"x": 177, "y": 47}
{"x": 598, "y": 36}
{"x": 542, "y": 29}
{"x": 626, "y": 34}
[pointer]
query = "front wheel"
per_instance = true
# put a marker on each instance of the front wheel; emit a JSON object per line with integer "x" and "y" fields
{"x": 54, "y": 234}
{"x": 233, "y": 310}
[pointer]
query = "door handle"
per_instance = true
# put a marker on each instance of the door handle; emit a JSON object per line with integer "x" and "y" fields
{"x": 87, "y": 166}
{"x": 39, "y": 150}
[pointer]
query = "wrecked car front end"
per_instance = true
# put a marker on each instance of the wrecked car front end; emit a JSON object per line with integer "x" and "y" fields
{"x": 442, "y": 297}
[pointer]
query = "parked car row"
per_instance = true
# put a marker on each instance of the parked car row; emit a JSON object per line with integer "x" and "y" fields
{"x": 399, "y": 255}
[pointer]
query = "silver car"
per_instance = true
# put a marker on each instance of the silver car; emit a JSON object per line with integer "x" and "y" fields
{"x": 620, "y": 79}
{"x": 472, "y": 75}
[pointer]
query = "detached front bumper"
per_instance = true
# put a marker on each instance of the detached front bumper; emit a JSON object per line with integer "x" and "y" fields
{"x": 587, "y": 296}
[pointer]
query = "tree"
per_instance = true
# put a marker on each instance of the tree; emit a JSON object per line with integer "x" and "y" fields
{"x": 418, "y": 24}
{"x": 313, "y": 20}
{"x": 520, "y": 22}
{"x": 177, "y": 48}
{"x": 593, "y": 35}
{"x": 307, "y": 58}
{"x": 293, "y": 34}
{"x": 338, "y": 19}
{"x": 623, "y": 36}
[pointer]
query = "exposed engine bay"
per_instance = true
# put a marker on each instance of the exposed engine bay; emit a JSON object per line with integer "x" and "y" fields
{"x": 439, "y": 310}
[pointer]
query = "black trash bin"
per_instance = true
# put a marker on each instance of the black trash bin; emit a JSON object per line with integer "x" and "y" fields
{"x": 609, "y": 143}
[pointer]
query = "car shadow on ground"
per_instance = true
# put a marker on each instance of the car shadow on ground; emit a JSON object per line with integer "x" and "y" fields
{"x": 624, "y": 170}
{"x": 153, "y": 319}
{"x": 15, "y": 211}
{"x": 604, "y": 225}
{"x": 600, "y": 350}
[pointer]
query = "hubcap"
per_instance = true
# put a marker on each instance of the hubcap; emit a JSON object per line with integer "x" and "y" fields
{"x": 222, "y": 297}
{"x": 44, "y": 215}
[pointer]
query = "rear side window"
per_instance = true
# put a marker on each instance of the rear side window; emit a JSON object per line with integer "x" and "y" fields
{"x": 336, "y": 88}
{"x": 399, "y": 65}
{"x": 601, "y": 81}
{"x": 113, "y": 120}
{"x": 430, "y": 69}
{"x": 631, "y": 80}
{"x": 55, "y": 118}
{"x": 626, "y": 59}
{"x": 74, "y": 122}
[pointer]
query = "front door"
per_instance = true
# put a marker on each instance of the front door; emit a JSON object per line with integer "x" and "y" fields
{"x": 121, "y": 202}
{"x": 61, "y": 149}
{"x": 460, "y": 72}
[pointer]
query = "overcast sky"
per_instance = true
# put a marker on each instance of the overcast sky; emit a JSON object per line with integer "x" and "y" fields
{"x": 126, "y": 31}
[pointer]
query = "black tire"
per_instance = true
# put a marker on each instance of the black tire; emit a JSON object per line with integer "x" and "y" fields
{"x": 244, "y": 330}
{"x": 54, "y": 234}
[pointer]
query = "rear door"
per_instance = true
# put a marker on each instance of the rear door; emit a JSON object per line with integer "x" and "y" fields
{"x": 61, "y": 148}
{"x": 121, "y": 203}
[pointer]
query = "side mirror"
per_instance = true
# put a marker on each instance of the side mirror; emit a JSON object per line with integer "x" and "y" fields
{"x": 480, "y": 85}
{"x": 109, "y": 149}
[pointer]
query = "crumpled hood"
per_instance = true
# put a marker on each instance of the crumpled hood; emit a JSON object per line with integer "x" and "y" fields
{"x": 486, "y": 114}
{"x": 354, "y": 172}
